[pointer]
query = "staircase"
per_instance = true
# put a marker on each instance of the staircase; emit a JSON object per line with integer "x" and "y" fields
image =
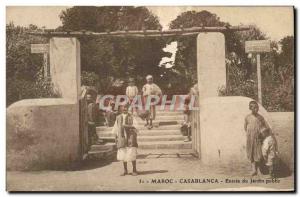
{"x": 165, "y": 136}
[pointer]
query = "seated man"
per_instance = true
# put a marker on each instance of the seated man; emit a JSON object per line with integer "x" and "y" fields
{"x": 110, "y": 114}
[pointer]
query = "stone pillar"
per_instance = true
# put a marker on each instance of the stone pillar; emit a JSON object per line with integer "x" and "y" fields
{"x": 65, "y": 67}
{"x": 210, "y": 63}
{"x": 211, "y": 74}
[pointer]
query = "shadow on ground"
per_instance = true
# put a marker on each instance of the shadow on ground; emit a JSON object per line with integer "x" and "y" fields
{"x": 281, "y": 169}
{"x": 92, "y": 164}
{"x": 152, "y": 172}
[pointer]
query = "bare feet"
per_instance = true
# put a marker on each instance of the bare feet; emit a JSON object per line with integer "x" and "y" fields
{"x": 124, "y": 174}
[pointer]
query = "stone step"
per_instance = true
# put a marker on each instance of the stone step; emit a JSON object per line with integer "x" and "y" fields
{"x": 153, "y": 153}
{"x": 162, "y": 122}
{"x": 158, "y": 138}
{"x": 165, "y": 145}
{"x": 169, "y": 113}
{"x": 152, "y": 132}
{"x": 169, "y": 117}
{"x": 102, "y": 154}
{"x": 168, "y": 108}
{"x": 149, "y": 138}
{"x": 140, "y": 127}
{"x": 103, "y": 148}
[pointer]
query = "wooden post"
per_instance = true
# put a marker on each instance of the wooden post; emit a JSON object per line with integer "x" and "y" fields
{"x": 258, "y": 78}
{"x": 257, "y": 47}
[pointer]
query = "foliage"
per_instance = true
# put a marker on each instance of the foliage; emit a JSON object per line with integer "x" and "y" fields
{"x": 277, "y": 67}
{"x": 115, "y": 59}
{"x": 277, "y": 70}
{"x": 196, "y": 19}
{"x": 101, "y": 19}
{"x": 278, "y": 75}
{"x": 23, "y": 69}
{"x": 89, "y": 79}
{"x": 107, "y": 63}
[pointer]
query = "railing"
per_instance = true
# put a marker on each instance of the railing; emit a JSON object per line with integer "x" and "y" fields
{"x": 83, "y": 124}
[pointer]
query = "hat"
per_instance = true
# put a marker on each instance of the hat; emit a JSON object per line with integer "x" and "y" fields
{"x": 149, "y": 77}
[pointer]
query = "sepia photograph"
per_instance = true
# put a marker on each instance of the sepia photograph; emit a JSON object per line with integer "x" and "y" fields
{"x": 150, "y": 99}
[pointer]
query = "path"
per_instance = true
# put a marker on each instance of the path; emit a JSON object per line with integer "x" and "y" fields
{"x": 98, "y": 176}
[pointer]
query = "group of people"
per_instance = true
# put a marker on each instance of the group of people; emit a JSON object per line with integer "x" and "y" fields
{"x": 261, "y": 144}
{"x": 132, "y": 91}
{"x": 125, "y": 127}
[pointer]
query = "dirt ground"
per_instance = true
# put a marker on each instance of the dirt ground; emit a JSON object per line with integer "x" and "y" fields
{"x": 168, "y": 172}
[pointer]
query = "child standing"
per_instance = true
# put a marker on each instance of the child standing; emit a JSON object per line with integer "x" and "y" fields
{"x": 131, "y": 91}
{"x": 269, "y": 151}
{"x": 187, "y": 122}
{"x": 254, "y": 123}
{"x": 126, "y": 140}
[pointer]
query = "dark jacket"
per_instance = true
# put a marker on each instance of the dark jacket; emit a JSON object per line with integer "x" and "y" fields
{"x": 126, "y": 136}
{"x": 92, "y": 112}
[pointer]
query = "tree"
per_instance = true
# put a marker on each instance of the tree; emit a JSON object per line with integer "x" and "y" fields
{"x": 116, "y": 58}
{"x": 196, "y": 19}
{"x": 277, "y": 68}
{"x": 23, "y": 69}
{"x": 279, "y": 77}
{"x": 101, "y": 19}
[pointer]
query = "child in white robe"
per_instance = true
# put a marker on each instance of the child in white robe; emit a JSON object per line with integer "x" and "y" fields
{"x": 269, "y": 151}
{"x": 131, "y": 92}
{"x": 126, "y": 139}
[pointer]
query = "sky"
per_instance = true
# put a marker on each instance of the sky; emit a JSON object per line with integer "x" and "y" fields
{"x": 169, "y": 61}
{"x": 276, "y": 22}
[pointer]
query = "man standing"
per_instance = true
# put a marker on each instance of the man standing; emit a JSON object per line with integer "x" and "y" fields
{"x": 92, "y": 114}
{"x": 150, "y": 89}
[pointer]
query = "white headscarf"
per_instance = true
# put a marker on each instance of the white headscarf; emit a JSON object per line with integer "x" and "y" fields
{"x": 149, "y": 77}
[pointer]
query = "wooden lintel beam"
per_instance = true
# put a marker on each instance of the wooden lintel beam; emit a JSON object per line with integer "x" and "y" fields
{"x": 142, "y": 33}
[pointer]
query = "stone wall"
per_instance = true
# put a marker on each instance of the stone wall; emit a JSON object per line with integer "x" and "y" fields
{"x": 42, "y": 134}
{"x": 223, "y": 138}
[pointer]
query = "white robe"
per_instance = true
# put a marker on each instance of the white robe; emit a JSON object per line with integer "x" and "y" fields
{"x": 126, "y": 154}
